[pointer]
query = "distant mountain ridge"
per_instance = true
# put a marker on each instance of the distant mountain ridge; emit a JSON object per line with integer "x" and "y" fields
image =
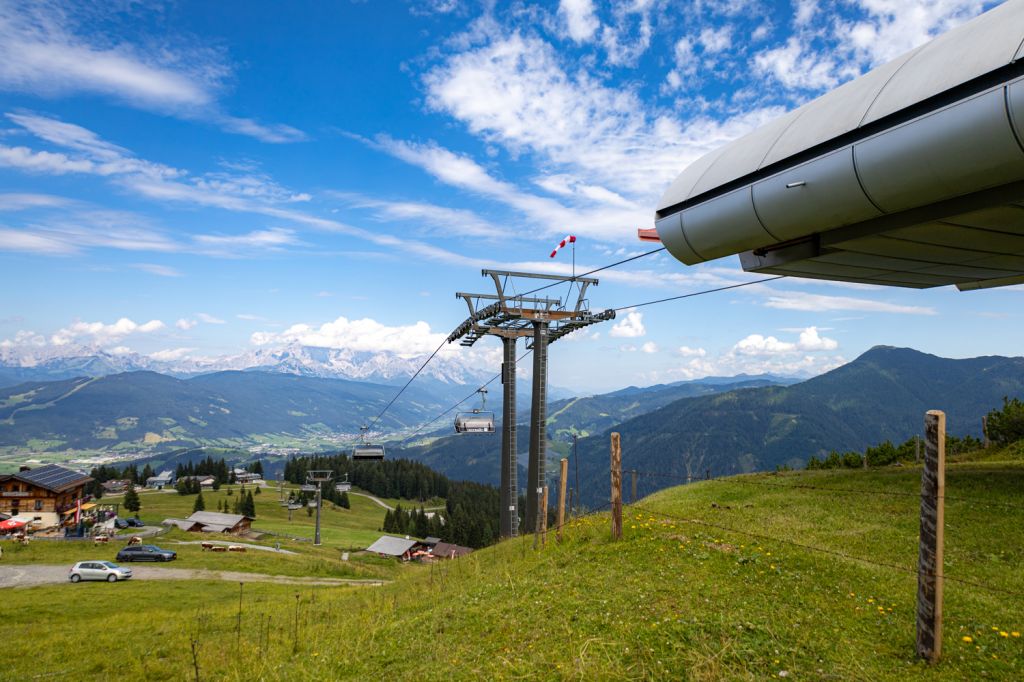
{"x": 50, "y": 363}
{"x": 140, "y": 411}
{"x": 883, "y": 394}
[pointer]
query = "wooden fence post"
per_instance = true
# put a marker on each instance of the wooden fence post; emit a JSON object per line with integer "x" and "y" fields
{"x": 632, "y": 497}
{"x": 929, "y": 567}
{"x": 616, "y": 468}
{"x": 562, "y": 480}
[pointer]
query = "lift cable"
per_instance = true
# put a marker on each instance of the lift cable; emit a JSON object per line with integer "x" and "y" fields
{"x": 402, "y": 390}
{"x": 591, "y": 272}
{"x": 456, "y": 405}
{"x": 699, "y": 293}
{"x": 548, "y": 286}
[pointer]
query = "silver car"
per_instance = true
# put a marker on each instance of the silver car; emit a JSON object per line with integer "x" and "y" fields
{"x": 98, "y": 570}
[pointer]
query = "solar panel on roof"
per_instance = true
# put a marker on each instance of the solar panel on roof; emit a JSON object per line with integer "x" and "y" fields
{"x": 52, "y": 476}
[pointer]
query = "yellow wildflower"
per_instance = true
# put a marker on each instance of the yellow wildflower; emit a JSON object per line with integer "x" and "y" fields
{"x": 1015, "y": 633}
{"x": 1004, "y": 633}
{"x": 967, "y": 638}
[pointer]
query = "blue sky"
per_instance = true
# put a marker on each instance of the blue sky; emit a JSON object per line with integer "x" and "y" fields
{"x": 201, "y": 179}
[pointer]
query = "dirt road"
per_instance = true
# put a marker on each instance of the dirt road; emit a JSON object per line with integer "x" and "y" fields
{"x": 29, "y": 575}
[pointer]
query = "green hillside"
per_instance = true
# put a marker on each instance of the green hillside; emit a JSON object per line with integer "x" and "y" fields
{"x": 754, "y": 577}
{"x": 144, "y": 410}
{"x": 881, "y": 395}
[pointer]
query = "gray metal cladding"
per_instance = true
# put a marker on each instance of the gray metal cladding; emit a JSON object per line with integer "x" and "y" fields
{"x": 814, "y": 196}
{"x": 670, "y": 231}
{"x": 1015, "y": 106}
{"x": 725, "y": 225}
{"x": 962, "y": 148}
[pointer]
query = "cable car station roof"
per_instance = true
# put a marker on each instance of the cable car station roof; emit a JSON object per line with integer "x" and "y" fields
{"x": 911, "y": 175}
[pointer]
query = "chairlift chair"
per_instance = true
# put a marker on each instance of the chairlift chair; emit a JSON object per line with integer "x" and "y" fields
{"x": 478, "y": 421}
{"x": 367, "y": 451}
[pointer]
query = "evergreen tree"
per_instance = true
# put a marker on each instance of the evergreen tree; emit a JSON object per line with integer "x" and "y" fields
{"x": 199, "y": 505}
{"x": 131, "y": 500}
{"x": 257, "y": 491}
{"x": 344, "y": 502}
{"x": 147, "y": 472}
{"x": 248, "y": 505}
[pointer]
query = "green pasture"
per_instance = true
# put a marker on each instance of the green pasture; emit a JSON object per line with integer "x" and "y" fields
{"x": 799, "y": 575}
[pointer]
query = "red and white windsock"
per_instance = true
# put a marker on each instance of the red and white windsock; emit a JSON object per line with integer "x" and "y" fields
{"x": 571, "y": 239}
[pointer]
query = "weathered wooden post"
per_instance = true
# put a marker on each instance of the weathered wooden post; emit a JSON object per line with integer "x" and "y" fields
{"x": 632, "y": 497}
{"x": 929, "y": 568}
{"x": 616, "y": 467}
{"x": 562, "y": 480}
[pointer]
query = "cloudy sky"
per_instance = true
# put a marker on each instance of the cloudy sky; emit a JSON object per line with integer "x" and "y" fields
{"x": 195, "y": 179}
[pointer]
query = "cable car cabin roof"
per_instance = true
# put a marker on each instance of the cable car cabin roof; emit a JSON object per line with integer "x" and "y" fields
{"x": 475, "y": 422}
{"x": 368, "y": 452}
{"x": 910, "y": 175}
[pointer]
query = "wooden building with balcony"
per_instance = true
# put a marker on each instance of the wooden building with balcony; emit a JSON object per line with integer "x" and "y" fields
{"x": 44, "y": 493}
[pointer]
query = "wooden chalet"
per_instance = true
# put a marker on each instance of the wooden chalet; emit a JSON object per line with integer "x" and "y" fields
{"x": 45, "y": 493}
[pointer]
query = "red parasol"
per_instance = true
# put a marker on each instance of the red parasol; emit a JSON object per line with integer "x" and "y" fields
{"x": 12, "y": 524}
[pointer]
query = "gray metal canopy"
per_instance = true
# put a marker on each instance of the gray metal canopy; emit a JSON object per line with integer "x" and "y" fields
{"x": 911, "y": 175}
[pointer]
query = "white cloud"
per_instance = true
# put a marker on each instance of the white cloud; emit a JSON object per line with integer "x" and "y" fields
{"x": 794, "y": 300}
{"x": 892, "y": 27}
{"x": 756, "y": 344}
{"x": 22, "y": 202}
{"x": 250, "y": 317}
{"x": 209, "y": 319}
{"x": 629, "y": 327}
{"x": 446, "y": 221}
{"x": 185, "y": 324}
{"x": 20, "y": 240}
{"x": 273, "y": 238}
{"x": 809, "y": 341}
{"x": 171, "y": 354}
{"x": 358, "y": 335}
{"x": 688, "y": 352}
{"x": 514, "y": 91}
{"x": 650, "y": 347}
{"x": 45, "y": 51}
{"x": 716, "y": 39}
{"x": 796, "y": 66}
{"x": 100, "y": 333}
{"x": 580, "y": 19}
{"x": 156, "y": 269}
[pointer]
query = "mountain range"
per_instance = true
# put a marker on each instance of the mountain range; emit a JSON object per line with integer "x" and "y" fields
{"x": 728, "y": 428}
{"x": 49, "y": 363}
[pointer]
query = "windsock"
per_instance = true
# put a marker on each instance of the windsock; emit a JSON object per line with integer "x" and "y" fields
{"x": 571, "y": 239}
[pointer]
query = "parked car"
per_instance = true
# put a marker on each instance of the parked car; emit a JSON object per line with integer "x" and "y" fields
{"x": 135, "y": 523}
{"x": 120, "y": 524}
{"x": 145, "y": 553}
{"x": 98, "y": 570}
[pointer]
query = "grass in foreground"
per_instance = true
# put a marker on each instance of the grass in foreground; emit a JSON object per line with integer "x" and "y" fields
{"x": 679, "y": 597}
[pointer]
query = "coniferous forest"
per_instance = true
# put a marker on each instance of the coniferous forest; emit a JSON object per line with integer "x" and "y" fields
{"x": 469, "y": 517}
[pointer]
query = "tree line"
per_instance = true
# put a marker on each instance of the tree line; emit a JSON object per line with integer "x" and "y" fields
{"x": 470, "y": 516}
{"x": 1005, "y": 426}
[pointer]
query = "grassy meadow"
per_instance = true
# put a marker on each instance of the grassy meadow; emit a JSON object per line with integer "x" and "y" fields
{"x": 714, "y": 580}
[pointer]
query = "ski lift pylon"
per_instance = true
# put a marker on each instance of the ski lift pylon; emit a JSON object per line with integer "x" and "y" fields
{"x": 479, "y": 420}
